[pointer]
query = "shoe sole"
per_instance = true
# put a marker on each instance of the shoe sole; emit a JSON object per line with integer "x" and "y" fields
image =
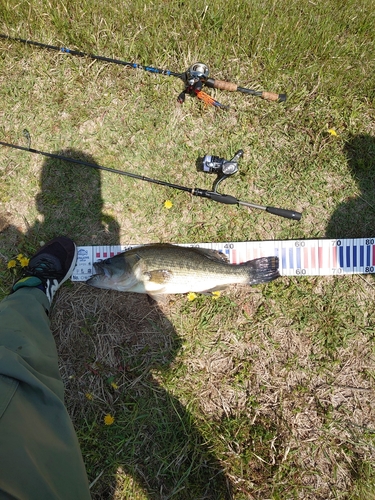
{"x": 73, "y": 265}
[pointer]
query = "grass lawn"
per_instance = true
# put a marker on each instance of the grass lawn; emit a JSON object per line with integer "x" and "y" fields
{"x": 263, "y": 393}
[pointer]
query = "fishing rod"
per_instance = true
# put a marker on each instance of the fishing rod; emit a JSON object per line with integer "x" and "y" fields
{"x": 194, "y": 78}
{"x": 212, "y": 195}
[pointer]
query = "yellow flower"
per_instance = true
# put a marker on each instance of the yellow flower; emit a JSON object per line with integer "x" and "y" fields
{"x": 333, "y": 132}
{"x": 114, "y": 386}
{"x": 216, "y": 295}
{"x": 24, "y": 261}
{"x": 191, "y": 296}
{"x": 89, "y": 396}
{"x": 168, "y": 204}
{"x": 19, "y": 257}
{"x": 109, "y": 419}
{"x": 12, "y": 263}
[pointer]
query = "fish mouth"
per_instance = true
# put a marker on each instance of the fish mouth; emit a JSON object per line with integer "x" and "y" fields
{"x": 100, "y": 276}
{"x": 101, "y": 270}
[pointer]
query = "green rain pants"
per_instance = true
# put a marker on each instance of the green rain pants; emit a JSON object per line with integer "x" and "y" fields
{"x": 40, "y": 457}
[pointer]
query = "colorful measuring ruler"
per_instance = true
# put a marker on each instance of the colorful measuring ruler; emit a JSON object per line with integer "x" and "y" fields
{"x": 320, "y": 257}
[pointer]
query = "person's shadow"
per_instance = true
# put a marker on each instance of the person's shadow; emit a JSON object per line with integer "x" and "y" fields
{"x": 355, "y": 218}
{"x": 69, "y": 203}
{"x": 105, "y": 335}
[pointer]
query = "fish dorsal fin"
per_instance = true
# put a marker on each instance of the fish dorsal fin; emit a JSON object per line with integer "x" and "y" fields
{"x": 212, "y": 254}
{"x": 159, "y": 276}
{"x": 206, "y": 252}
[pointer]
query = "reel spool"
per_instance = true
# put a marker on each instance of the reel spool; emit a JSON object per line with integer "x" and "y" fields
{"x": 197, "y": 72}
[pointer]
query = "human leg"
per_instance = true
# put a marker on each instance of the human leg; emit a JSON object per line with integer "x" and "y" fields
{"x": 40, "y": 456}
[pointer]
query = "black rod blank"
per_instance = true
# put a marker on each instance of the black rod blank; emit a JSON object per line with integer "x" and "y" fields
{"x": 212, "y": 195}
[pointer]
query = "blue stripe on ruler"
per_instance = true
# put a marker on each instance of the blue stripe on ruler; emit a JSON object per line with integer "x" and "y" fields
{"x": 368, "y": 256}
{"x": 291, "y": 258}
{"x": 298, "y": 258}
{"x": 348, "y": 256}
{"x": 354, "y": 255}
{"x": 361, "y": 256}
{"x": 341, "y": 257}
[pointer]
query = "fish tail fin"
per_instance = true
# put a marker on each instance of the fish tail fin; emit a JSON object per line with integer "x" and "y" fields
{"x": 262, "y": 270}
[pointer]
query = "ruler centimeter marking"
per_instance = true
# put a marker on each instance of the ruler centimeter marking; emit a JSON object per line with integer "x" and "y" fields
{"x": 315, "y": 257}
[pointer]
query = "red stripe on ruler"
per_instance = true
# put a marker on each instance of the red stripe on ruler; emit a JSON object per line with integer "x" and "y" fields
{"x": 320, "y": 257}
{"x": 234, "y": 256}
{"x": 313, "y": 253}
{"x": 305, "y": 254}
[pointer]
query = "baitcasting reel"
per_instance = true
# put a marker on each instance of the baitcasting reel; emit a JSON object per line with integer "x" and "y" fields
{"x": 197, "y": 72}
{"x": 195, "y": 77}
{"x": 221, "y": 167}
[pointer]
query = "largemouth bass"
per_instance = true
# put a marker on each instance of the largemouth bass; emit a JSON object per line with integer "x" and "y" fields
{"x": 160, "y": 269}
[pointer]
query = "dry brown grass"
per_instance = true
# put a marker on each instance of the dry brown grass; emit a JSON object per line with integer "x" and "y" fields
{"x": 295, "y": 409}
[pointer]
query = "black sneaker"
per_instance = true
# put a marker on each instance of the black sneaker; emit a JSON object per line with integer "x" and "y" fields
{"x": 50, "y": 267}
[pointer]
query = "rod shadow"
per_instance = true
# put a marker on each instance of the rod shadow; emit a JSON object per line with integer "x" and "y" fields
{"x": 355, "y": 218}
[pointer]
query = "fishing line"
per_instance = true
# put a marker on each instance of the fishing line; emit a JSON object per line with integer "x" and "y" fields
{"x": 194, "y": 78}
{"x": 310, "y": 257}
{"x": 212, "y": 195}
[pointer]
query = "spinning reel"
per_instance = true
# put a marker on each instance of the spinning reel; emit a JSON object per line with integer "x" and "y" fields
{"x": 221, "y": 167}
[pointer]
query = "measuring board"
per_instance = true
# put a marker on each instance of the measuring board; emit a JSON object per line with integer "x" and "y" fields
{"x": 320, "y": 257}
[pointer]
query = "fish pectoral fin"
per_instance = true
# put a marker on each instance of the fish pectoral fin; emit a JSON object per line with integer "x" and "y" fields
{"x": 159, "y": 276}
